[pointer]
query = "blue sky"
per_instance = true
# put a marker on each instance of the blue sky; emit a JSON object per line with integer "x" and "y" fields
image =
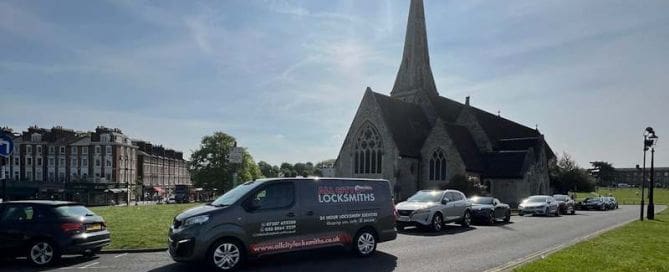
{"x": 285, "y": 77}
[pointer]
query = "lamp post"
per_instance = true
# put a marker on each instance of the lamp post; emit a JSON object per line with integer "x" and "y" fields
{"x": 650, "y": 214}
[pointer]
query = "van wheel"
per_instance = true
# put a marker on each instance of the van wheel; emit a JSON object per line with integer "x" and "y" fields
{"x": 437, "y": 222}
{"x": 43, "y": 253}
{"x": 226, "y": 255}
{"x": 466, "y": 220}
{"x": 364, "y": 243}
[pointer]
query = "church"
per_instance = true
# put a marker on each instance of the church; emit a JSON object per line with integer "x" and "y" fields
{"x": 418, "y": 139}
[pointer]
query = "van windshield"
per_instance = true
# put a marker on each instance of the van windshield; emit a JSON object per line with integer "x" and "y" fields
{"x": 235, "y": 194}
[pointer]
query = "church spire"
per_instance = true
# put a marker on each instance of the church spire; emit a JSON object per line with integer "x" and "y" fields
{"x": 415, "y": 73}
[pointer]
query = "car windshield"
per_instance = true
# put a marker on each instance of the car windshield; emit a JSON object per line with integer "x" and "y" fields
{"x": 537, "y": 199}
{"x": 481, "y": 200}
{"x": 74, "y": 211}
{"x": 235, "y": 194}
{"x": 561, "y": 197}
{"x": 426, "y": 196}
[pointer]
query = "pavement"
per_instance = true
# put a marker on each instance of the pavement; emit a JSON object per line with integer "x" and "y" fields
{"x": 478, "y": 248}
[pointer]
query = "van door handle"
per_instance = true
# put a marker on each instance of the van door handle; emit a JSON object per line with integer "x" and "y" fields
{"x": 291, "y": 214}
{"x": 310, "y": 213}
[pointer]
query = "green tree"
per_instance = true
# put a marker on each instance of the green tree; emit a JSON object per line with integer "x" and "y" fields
{"x": 268, "y": 170}
{"x": 287, "y": 170}
{"x": 606, "y": 174}
{"x": 210, "y": 167}
{"x": 567, "y": 176}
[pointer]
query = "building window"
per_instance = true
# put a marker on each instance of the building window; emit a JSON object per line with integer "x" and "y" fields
{"x": 51, "y": 162}
{"x": 104, "y": 138}
{"x": 62, "y": 150}
{"x": 97, "y": 149}
{"x": 39, "y": 149}
{"x": 74, "y": 150}
{"x": 97, "y": 162}
{"x": 108, "y": 150}
{"x": 51, "y": 176}
{"x": 437, "y": 165}
{"x": 39, "y": 161}
{"x": 84, "y": 150}
{"x": 29, "y": 161}
{"x": 62, "y": 162}
{"x": 29, "y": 150}
{"x": 368, "y": 155}
{"x": 73, "y": 162}
{"x": 84, "y": 162}
{"x": 36, "y": 137}
{"x": 16, "y": 161}
{"x": 109, "y": 163}
{"x": 52, "y": 150}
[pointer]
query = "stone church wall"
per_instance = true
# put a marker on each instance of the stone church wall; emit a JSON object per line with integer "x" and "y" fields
{"x": 439, "y": 138}
{"x": 468, "y": 120}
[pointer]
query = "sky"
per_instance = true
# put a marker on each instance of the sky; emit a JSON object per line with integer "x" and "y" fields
{"x": 286, "y": 77}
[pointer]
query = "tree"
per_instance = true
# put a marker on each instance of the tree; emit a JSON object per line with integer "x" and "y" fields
{"x": 462, "y": 184}
{"x": 268, "y": 170}
{"x": 606, "y": 174}
{"x": 210, "y": 168}
{"x": 567, "y": 176}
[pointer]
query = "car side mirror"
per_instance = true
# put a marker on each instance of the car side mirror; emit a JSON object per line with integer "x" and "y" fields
{"x": 444, "y": 201}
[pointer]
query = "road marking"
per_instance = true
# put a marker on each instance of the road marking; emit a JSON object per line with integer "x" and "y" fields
{"x": 88, "y": 265}
{"x": 120, "y": 255}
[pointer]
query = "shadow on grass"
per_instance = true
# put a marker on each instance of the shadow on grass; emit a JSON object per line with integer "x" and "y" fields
{"x": 322, "y": 260}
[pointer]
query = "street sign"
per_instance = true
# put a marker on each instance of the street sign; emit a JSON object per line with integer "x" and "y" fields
{"x": 236, "y": 155}
{"x": 6, "y": 145}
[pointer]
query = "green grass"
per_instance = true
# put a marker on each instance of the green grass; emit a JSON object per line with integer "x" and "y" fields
{"x": 638, "y": 246}
{"x": 139, "y": 226}
{"x": 629, "y": 196}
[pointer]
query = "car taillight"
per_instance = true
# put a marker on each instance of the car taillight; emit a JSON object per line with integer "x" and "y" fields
{"x": 68, "y": 227}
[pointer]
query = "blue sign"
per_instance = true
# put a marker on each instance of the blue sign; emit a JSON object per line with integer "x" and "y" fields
{"x": 6, "y": 145}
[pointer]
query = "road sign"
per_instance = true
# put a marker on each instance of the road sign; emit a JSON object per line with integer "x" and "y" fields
{"x": 236, "y": 155}
{"x": 6, "y": 145}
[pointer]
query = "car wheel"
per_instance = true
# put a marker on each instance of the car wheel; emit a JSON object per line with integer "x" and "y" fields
{"x": 520, "y": 214}
{"x": 92, "y": 253}
{"x": 547, "y": 212}
{"x": 507, "y": 217}
{"x": 400, "y": 227}
{"x": 466, "y": 219}
{"x": 437, "y": 222}
{"x": 226, "y": 255}
{"x": 43, "y": 253}
{"x": 364, "y": 243}
{"x": 491, "y": 218}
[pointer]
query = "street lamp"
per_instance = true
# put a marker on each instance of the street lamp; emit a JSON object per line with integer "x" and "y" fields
{"x": 647, "y": 143}
{"x": 650, "y": 214}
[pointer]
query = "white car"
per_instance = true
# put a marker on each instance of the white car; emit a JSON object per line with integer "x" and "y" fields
{"x": 434, "y": 208}
{"x": 539, "y": 204}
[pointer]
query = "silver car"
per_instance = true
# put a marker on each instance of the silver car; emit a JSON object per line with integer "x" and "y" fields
{"x": 434, "y": 208}
{"x": 539, "y": 204}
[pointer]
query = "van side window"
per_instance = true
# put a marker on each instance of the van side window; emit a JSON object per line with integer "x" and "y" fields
{"x": 274, "y": 196}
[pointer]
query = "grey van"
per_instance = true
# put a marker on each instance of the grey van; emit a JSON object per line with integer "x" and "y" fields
{"x": 280, "y": 215}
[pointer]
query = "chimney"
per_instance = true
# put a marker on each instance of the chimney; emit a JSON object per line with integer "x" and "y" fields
{"x": 467, "y": 100}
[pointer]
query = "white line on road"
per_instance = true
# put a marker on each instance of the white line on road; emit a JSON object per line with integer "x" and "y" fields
{"x": 120, "y": 255}
{"x": 88, "y": 265}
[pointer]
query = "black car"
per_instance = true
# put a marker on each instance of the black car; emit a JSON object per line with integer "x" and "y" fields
{"x": 592, "y": 203}
{"x": 489, "y": 210}
{"x": 42, "y": 231}
{"x": 611, "y": 203}
{"x": 566, "y": 205}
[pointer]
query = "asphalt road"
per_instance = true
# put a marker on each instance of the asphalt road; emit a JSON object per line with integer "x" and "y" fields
{"x": 477, "y": 248}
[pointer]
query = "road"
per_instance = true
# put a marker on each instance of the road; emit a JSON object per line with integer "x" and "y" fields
{"x": 477, "y": 248}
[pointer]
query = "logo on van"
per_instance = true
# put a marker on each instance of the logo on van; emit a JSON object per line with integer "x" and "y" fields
{"x": 344, "y": 194}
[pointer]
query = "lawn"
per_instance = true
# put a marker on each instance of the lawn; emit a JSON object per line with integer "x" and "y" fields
{"x": 140, "y": 226}
{"x": 629, "y": 196}
{"x": 638, "y": 246}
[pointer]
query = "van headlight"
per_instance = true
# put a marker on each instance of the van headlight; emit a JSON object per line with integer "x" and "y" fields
{"x": 196, "y": 220}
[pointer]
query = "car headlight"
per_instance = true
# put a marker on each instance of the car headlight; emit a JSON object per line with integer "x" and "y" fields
{"x": 196, "y": 220}
{"x": 521, "y": 206}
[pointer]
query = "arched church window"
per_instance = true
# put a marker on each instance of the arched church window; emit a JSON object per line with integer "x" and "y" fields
{"x": 368, "y": 155}
{"x": 437, "y": 165}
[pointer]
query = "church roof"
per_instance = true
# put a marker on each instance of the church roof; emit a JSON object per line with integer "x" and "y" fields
{"x": 407, "y": 124}
{"x": 505, "y": 164}
{"x": 466, "y": 146}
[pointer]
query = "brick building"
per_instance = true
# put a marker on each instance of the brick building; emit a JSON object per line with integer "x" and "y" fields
{"x": 633, "y": 176}
{"x": 161, "y": 169}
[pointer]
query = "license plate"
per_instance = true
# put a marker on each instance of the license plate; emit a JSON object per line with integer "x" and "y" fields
{"x": 94, "y": 227}
{"x": 404, "y": 218}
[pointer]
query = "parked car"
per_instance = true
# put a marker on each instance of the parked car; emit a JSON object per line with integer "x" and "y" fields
{"x": 490, "y": 210}
{"x": 431, "y": 209}
{"x": 611, "y": 203}
{"x": 42, "y": 231}
{"x": 272, "y": 216}
{"x": 592, "y": 203}
{"x": 566, "y": 205}
{"x": 539, "y": 204}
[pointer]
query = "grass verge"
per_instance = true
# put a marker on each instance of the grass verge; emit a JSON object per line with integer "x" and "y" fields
{"x": 638, "y": 246}
{"x": 139, "y": 226}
